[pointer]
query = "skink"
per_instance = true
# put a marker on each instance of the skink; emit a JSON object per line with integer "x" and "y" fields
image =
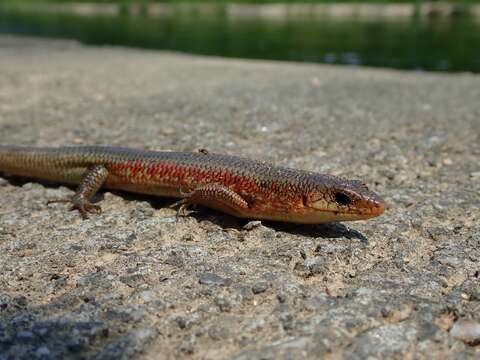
{"x": 234, "y": 185}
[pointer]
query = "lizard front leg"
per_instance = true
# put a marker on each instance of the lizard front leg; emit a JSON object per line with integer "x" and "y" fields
{"x": 215, "y": 196}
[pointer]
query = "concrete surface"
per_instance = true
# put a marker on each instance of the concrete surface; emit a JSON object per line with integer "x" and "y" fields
{"x": 135, "y": 282}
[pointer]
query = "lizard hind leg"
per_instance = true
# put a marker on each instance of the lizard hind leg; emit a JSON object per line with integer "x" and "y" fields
{"x": 92, "y": 181}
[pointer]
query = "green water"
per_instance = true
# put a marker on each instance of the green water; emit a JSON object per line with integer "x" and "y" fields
{"x": 419, "y": 44}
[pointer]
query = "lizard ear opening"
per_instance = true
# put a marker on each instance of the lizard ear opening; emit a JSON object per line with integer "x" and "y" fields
{"x": 342, "y": 199}
{"x": 305, "y": 200}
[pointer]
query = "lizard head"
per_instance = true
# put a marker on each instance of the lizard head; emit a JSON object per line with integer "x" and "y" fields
{"x": 337, "y": 199}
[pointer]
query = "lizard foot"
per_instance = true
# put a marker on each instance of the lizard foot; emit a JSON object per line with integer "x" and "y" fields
{"x": 79, "y": 203}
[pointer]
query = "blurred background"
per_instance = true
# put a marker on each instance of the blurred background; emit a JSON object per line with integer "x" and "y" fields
{"x": 416, "y": 35}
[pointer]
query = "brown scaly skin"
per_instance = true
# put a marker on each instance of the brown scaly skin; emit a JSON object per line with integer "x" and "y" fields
{"x": 235, "y": 185}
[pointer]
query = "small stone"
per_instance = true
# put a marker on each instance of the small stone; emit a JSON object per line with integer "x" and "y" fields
{"x": 25, "y": 336}
{"x": 322, "y": 300}
{"x": 187, "y": 347}
{"x": 219, "y": 237}
{"x": 42, "y": 352}
{"x": 223, "y": 303}
{"x": 260, "y": 287}
{"x": 310, "y": 267}
{"x": 282, "y": 298}
{"x": 255, "y": 325}
{"x": 213, "y": 279}
{"x": 147, "y": 296}
{"x": 77, "y": 344}
{"x": 252, "y": 225}
{"x": 447, "y": 161}
{"x": 245, "y": 292}
{"x": 20, "y": 301}
{"x": 216, "y": 333}
{"x": 188, "y": 237}
{"x": 467, "y": 331}
{"x": 40, "y": 330}
{"x": 437, "y": 233}
{"x": 472, "y": 294}
{"x": 186, "y": 322}
{"x": 287, "y": 320}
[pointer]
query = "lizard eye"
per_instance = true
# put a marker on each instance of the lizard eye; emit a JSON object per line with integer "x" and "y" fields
{"x": 342, "y": 199}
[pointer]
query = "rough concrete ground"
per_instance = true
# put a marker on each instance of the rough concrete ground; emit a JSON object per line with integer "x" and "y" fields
{"x": 136, "y": 282}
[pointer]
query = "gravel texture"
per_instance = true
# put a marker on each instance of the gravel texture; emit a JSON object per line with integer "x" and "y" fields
{"x": 137, "y": 282}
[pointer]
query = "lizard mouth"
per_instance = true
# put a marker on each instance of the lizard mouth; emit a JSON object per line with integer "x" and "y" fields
{"x": 372, "y": 207}
{"x": 360, "y": 209}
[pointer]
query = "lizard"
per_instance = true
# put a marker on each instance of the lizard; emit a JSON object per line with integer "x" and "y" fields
{"x": 235, "y": 185}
